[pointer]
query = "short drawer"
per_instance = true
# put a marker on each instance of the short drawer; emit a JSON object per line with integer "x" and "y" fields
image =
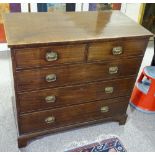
{"x": 49, "y": 56}
{"x": 116, "y": 49}
{"x": 64, "y": 96}
{"x": 60, "y": 117}
{"x": 75, "y": 74}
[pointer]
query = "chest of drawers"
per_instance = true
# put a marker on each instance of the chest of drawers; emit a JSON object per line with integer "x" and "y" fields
{"x": 72, "y": 69}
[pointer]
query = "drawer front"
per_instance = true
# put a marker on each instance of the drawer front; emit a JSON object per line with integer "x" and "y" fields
{"x": 75, "y": 74}
{"x": 51, "y": 119}
{"x": 63, "y": 96}
{"x": 54, "y": 55}
{"x": 116, "y": 49}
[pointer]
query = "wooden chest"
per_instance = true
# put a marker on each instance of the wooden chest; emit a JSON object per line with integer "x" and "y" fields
{"x": 72, "y": 69}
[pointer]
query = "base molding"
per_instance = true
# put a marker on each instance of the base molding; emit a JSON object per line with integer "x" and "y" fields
{"x": 24, "y": 139}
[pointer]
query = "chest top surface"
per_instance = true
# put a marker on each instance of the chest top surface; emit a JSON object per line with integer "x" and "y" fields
{"x": 48, "y": 28}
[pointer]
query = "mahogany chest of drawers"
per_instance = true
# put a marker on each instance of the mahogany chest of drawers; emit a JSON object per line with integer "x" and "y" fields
{"x": 72, "y": 69}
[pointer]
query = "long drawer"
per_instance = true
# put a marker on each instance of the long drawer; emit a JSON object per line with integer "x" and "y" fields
{"x": 75, "y": 74}
{"x": 64, "y": 96}
{"x": 51, "y": 119}
{"x": 116, "y": 49}
{"x": 49, "y": 56}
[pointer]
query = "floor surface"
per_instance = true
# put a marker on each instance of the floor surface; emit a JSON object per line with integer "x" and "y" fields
{"x": 138, "y": 134}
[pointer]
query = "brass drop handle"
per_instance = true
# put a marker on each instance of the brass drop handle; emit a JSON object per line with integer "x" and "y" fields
{"x": 104, "y": 109}
{"x": 50, "y": 99}
{"x": 51, "y": 56}
{"x": 109, "y": 90}
{"x": 50, "y": 120}
{"x": 50, "y": 77}
{"x": 117, "y": 50}
{"x": 113, "y": 70}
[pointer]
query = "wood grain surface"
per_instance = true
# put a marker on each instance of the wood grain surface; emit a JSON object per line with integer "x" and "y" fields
{"x": 75, "y": 74}
{"x": 48, "y": 28}
{"x": 104, "y": 50}
{"x": 72, "y": 95}
{"x": 36, "y": 57}
{"x": 72, "y": 69}
{"x": 72, "y": 115}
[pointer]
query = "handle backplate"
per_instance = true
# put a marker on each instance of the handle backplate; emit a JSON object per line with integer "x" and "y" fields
{"x": 51, "y": 56}
{"x": 50, "y": 120}
{"x": 104, "y": 109}
{"x": 117, "y": 50}
{"x": 50, "y": 99}
{"x": 50, "y": 77}
{"x": 109, "y": 90}
{"x": 113, "y": 70}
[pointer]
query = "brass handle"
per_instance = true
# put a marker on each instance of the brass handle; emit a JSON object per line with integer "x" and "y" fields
{"x": 104, "y": 109}
{"x": 113, "y": 70}
{"x": 117, "y": 50}
{"x": 50, "y": 77}
{"x": 51, "y": 56}
{"x": 109, "y": 90}
{"x": 50, "y": 99}
{"x": 50, "y": 120}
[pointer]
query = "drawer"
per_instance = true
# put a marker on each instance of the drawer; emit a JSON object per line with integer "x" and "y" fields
{"x": 60, "y": 117}
{"x": 116, "y": 49}
{"x": 53, "y": 55}
{"x": 64, "y": 96}
{"x": 75, "y": 74}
